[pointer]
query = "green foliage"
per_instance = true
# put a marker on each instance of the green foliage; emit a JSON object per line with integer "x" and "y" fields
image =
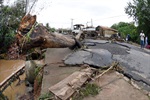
{"x": 49, "y": 28}
{"x": 10, "y": 18}
{"x": 140, "y": 11}
{"x": 88, "y": 90}
{"x": 3, "y": 97}
{"x": 37, "y": 70}
{"x": 46, "y": 96}
{"x": 127, "y": 28}
{"x": 39, "y": 79}
{"x": 9, "y": 38}
{"x": 149, "y": 97}
{"x": 38, "y": 76}
{"x": 52, "y": 29}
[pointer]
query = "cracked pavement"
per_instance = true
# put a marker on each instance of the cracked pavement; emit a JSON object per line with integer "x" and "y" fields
{"x": 135, "y": 61}
{"x": 93, "y": 57}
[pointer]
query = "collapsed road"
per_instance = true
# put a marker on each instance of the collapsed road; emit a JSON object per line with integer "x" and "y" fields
{"x": 134, "y": 60}
{"x": 100, "y": 53}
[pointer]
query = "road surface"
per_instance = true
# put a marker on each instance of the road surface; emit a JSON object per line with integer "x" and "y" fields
{"x": 135, "y": 61}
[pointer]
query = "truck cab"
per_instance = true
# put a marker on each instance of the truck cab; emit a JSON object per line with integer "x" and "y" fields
{"x": 77, "y": 28}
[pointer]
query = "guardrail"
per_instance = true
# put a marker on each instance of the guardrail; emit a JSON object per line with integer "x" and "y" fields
{"x": 11, "y": 78}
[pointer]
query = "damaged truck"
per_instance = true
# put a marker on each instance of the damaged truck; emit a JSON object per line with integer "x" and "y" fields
{"x": 94, "y": 32}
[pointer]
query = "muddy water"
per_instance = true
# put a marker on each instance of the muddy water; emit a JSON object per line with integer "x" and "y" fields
{"x": 7, "y": 67}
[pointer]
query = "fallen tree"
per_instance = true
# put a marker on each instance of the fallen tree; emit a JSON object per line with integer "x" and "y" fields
{"x": 31, "y": 34}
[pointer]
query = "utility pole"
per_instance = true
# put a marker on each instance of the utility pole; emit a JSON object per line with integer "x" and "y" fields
{"x": 91, "y": 22}
{"x": 72, "y": 24}
{"x": 87, "y": 24}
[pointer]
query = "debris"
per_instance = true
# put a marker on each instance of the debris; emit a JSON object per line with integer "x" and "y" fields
{"x": 65, "y": 88}
{"x": 110, "y": 68}
{"x": 89, "y": 89}
{"x": 13, "y": 52}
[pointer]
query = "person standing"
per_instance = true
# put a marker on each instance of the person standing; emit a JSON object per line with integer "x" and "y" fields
{"x": 142, "y": 36}
{"x": 146, "y": 41}
{"x": 127, "y": 37}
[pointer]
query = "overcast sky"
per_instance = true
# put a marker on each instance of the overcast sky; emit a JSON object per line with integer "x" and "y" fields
{"x": 58, "y": 13}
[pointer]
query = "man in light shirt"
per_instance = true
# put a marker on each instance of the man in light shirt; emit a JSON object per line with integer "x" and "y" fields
{"x": 142, "y": 36}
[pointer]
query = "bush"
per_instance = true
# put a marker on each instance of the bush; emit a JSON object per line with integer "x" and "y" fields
{"x": 46, "y": 96}
{"x": 88, "y": 90}
{"x": 127, "y": 28}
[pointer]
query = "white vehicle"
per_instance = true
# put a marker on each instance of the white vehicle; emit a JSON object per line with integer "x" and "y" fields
{"x": 80, "y": 31}
{"x": 77, "y": 28}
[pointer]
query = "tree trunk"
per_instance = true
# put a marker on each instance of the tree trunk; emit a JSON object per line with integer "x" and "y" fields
{"x": 50, "y": 40}
{"x": 31, "y": 35}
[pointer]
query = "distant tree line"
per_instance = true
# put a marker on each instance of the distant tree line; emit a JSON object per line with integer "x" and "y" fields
{"x": 127, "y": 28}
{"x": 49, "y": 28}
{"x": 139, "y": 10}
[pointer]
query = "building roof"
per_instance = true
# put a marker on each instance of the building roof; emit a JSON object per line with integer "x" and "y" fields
{"x": 78, "y": 25}
{"x": 108, "y": 28}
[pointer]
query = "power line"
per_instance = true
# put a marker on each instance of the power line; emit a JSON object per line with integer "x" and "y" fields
{"x": 109, "y": 17}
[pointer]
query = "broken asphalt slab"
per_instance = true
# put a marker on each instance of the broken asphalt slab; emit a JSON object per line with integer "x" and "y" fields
{"x": 91, "y": 42}
{"x": 115, "y": 87}
{"x": 95, "y": 41}
{"x": 136, "y": 61}
{"x": 113, "y": 48}
{"x": 93, "y": 57}
{"x": 137, "y": 65}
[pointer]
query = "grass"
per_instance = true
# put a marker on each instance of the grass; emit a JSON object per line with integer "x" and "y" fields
{"x": 46, "y": 96}
{"x": 149, "y": 97}
{"x": 88, "y": 90}
{"x": 3, "y": 97}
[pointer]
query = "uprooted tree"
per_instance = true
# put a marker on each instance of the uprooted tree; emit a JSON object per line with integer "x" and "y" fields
{"x": 31, "y": 34}
{"x": 10, "y": 16}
